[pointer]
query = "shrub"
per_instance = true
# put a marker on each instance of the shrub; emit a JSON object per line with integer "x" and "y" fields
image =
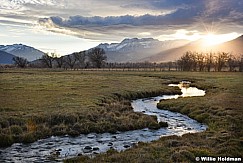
{"x": 42, "y": 131}
{"x": 16, "y": 130}
{"x": 59, "y": 129}
{"x": 4, "y": 123}
{"x": 5, "y": 140}
{"x": 28, "y": 137}
{"x": 31, "y": 125}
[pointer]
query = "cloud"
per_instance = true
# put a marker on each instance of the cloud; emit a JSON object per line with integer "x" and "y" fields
{"x": 74, "y": 21}
{"x": 120, "y": 26}
{"x": 114, "y": 20}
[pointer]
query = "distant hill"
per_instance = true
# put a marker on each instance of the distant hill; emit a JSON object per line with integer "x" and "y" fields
{"x": 134, "y": 49}
{"x": 234, "y": 46}
{"x": 6, "y": 58}
{"x": 21, "y": 50}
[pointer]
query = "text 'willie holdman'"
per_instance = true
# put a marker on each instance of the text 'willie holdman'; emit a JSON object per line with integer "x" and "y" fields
{"x": 219, "y": 159}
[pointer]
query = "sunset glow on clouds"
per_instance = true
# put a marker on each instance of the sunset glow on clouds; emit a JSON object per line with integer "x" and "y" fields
{"x": 71, "y": 25}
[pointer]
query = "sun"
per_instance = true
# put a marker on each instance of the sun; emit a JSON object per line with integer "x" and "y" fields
{"x": 212, "y": 39}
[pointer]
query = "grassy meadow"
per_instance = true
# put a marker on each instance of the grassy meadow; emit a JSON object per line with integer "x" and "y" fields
{"x": 39, "y": 103}
{"x": 221, "y": 109}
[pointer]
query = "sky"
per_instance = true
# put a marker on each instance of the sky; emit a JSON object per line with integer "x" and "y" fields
{"x": 66, "y": 26}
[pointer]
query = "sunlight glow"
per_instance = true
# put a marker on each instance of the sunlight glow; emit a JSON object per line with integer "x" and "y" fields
{"x": 212, "y": 39}
{"x": 181, "y": 34}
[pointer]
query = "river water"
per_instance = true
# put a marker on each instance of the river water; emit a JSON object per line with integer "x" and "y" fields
{"x": 57, "y": 148}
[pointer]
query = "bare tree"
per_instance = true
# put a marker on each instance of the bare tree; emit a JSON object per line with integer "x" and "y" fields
{"x": 20, "y": 62}
{"x": 59, "y": 61}
{"x": 97, "y": 57}
{"x": 221, "y": 60}
{"x": 241, "y": 64}
{"x": 209, "y": 61}
{"x": 200, "y": 61}
{"x": 232, "y": 63}
{"x": 80, "y": 57}
{"x": 70, "y": 60}
{"x": 169, "y": 64}
{"x": 187, "y": 61}
{"x": 194, "y": 60}
{"x": 47, "y": 60}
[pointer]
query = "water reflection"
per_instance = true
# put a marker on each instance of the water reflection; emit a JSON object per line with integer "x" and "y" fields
{"x": 188, "y": 91}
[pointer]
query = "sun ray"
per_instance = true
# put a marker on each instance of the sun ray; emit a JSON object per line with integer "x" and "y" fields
{"x": 212, "y": 39}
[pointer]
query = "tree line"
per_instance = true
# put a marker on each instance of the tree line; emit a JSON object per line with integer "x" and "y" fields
{"x": 77, "y": 60}
{"x": 96, "y": 58}
{"x": 220, "y": 61}
{"x": 190, "y": 61}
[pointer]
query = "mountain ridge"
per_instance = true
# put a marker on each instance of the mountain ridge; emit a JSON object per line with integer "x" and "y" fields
{"x": 134, "y": 49}
{"x": 234, "y": 46}
{"x": 21, "y": 50}
{"x": 6, "y": 58}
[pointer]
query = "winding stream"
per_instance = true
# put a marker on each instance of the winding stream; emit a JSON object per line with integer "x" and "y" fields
{"x": 56, "y": 148}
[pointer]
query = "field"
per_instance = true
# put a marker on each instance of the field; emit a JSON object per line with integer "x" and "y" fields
{"x": 40, "y": 103}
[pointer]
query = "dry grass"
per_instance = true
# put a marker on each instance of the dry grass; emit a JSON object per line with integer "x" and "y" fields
{"x": 38, "y": 103}
{"x": 221, "y": 109}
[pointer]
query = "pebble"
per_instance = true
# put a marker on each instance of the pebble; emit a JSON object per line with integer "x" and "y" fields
{"x": 96, "y": 148}
{"x": 88, "y": 147}
{"x": 114, "y": 137}
{"x": 58, "y": 149}
{"x": 126, "y": 146}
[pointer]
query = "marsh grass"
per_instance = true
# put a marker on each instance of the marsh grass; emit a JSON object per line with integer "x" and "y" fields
{"x": 39, "y": 103}
{"x": 221, "y": 109}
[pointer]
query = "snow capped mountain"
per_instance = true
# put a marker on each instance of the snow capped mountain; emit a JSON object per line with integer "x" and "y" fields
{"x": 134, "y": 49}
{"x": 21, "y": 50}
{"x": 130, "y": 44}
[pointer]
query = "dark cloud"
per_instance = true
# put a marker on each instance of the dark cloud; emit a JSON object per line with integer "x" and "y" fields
{"x": 188, "y": 11}
{"x": 143, "y": 20}
{"x": 187, "y": 14}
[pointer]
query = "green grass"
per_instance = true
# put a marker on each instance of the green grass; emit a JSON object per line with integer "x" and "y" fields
{"x": 38, "y": 103}
{"x": 221, "y": 109}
